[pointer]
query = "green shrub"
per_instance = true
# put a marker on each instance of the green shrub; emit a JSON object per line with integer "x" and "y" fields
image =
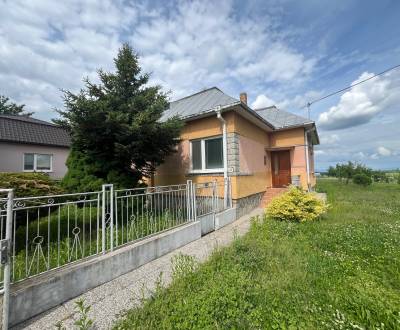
{"x": 30, "y": 184}
{"x": 296, "y": 205}
{"x": 362, "y": 179}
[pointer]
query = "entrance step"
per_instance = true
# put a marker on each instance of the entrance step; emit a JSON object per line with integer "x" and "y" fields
{"x": 271, "y": 193}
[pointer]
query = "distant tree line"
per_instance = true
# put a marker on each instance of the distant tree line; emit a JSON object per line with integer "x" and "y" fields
{"x": 361, "y": 174}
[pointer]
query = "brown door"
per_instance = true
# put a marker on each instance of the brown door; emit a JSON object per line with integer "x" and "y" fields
{"x": 281, "y": 176}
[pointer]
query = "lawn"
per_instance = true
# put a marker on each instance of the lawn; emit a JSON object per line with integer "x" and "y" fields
{"x": 340, "y": 272}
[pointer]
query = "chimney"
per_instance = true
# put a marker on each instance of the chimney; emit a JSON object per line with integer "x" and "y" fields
{"x": 243, "y": 98}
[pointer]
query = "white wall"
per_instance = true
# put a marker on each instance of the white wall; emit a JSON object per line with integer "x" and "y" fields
{"x": 12, "y": 157}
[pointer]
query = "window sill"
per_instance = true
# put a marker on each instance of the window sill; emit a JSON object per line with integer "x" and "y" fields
{"x": 37, "y": 171}
{"x": 209, "y": 172}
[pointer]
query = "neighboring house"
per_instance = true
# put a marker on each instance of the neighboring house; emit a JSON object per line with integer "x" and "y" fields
{"x": 32, "y": 145}
{"x": 258, "y": 149}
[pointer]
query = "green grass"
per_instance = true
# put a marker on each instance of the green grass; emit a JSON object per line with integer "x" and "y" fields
{"x": 340, "y": 272}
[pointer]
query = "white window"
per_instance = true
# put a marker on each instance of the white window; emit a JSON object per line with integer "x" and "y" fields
{"x": 38, "y": 163}
{"x": 207, "y": 155}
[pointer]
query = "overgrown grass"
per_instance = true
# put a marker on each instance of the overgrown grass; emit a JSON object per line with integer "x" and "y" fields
{"x": 341, "y": 272}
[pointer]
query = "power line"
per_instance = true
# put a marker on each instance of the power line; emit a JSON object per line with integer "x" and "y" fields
{"x": 346, "y": 88}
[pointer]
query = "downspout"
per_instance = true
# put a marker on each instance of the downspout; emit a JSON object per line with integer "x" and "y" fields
{"x": 225, "y": 154}
{"x": 307, "y": 157}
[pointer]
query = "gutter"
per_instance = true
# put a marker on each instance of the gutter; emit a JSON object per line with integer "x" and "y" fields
{"x": 225, "y": 153}
{"x": 224, "y": 141}
{"x": 306, "y": 150}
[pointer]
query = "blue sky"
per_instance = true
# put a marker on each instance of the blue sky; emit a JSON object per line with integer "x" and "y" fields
{"x": 280, "y": 52}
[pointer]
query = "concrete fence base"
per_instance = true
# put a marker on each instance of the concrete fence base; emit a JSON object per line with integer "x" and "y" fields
{"x": 225, "y": 217}
{"x": 207, "y": 223}
{"x": 40, "y": 293}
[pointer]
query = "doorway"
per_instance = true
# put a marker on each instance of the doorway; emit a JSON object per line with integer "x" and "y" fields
{"x": 281, "y": 175}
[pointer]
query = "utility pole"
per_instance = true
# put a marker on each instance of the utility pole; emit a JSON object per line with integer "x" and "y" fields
{"x": 308, "y": 109}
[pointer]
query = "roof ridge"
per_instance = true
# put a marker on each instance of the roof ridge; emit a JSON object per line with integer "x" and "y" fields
{"x": 265, "y": 108}
{"x": 28, "y": 119}
{"x": 200, "y": 92}
{"x": 284, "y": 111}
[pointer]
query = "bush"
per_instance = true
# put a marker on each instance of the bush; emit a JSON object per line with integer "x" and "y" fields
{"x": 30, "y": 184}
{"x": 362, "y": 179}
{"x": 296, "y": 205}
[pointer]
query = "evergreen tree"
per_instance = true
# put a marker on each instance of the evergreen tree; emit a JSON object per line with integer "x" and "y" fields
{"x": 10, "y": 108}
{"x": 117, "y": 135}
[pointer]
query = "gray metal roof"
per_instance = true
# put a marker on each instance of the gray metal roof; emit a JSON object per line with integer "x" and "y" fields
{"x": 207, "y": 100}
{"x": 281, "y": 118}
{"x": 197, "y": 104}
{"x": 22, "y": 129}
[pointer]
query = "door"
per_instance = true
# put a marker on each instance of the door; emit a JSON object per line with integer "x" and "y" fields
{"x": 281, "y": 176}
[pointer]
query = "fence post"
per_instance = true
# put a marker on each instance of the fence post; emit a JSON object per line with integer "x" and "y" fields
{"x": 7, "y": 266}
{"x": 214, "y": 200}
{"x": 194, "y": 201}
{"x": 107, "y": 205}
{"x": 230, "y": 192}
{"x": 189, "y": 202}
{"x": 111, "y": 215}
{"x": 103, "y": 219}
{"x": 226, "y": 180}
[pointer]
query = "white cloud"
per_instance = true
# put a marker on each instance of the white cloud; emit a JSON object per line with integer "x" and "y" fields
{"x": 360, "y": 155}
{"x": 374, "y": 156}
{"x": 329, "y": 139}
{"x": 46, "y": 46}
{"x": 210, "y": 45}
{"x": 187, "y": 45}
{"x": 360, "y": 104}
{"x": 262, "y": 101}
{"x": 384, "y": 151}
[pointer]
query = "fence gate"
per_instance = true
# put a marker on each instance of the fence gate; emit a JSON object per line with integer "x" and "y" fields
{"x": 6, "y": 210}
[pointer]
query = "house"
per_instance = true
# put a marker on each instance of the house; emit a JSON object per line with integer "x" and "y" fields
{"x": 32, "y": 145}
{"x": 261, "y": 150}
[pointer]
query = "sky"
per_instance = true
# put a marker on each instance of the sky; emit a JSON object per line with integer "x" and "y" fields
{"x": 283, "y": 53}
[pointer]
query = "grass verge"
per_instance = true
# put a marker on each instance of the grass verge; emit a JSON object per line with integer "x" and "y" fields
{"x": 341, "y": 272}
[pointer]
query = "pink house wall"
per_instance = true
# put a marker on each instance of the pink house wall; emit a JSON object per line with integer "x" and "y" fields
{"x": 251, "y": 156}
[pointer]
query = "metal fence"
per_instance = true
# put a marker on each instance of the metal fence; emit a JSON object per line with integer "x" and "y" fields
{"x": 141, "y": 212}
{"x": 41, "y": 233}
{"x": 48, "y": 232}
{"x": 212, "y": 197}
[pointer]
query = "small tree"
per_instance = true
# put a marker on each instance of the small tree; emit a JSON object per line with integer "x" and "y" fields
{"x": 332, "y": 171}
{"x": 349, "y": 170}
{"x": 11, "y": 108}
{"x": 117, "y": 134}
{"x": 345, "y": 171}
{"x": 362, "y": 179}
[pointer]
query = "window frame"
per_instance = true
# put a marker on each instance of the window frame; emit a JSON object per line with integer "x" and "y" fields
{"x": 203, "y": 156}
{"x": 35, "y": 162}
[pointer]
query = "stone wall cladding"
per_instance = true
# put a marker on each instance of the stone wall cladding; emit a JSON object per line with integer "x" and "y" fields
{"x": 233, "y": 153}
{"x": 246, "y": 204}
